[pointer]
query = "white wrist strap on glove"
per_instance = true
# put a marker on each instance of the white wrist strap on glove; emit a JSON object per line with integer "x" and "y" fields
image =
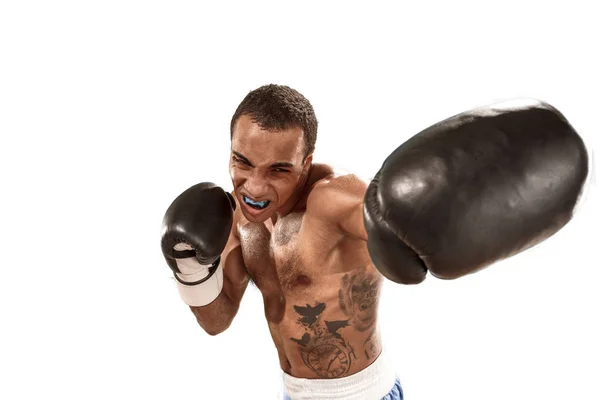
{"x": 198, "y": 285}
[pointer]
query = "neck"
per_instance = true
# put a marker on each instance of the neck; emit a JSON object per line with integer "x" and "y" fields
{"x": 298, "y": 195}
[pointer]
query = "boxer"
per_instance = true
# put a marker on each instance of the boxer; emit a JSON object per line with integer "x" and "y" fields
{"x": 455, "y": 198}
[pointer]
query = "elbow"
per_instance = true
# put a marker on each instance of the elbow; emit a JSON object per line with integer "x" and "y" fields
{"x": 213, "y": 331}
{"x": 213, "y": 319}
{"x": 215, "y": 327}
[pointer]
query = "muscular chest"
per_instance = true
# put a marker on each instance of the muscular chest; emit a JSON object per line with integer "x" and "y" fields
{"x": 278, "y": 257}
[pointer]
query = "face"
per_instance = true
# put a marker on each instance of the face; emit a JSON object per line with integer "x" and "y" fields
{"x": 266, "y": 167}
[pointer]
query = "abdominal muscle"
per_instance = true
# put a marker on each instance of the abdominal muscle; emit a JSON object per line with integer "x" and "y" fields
{"x": 328, "y": 330}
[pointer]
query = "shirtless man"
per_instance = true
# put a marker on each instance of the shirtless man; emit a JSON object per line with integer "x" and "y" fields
{"x": 317, "y": 244}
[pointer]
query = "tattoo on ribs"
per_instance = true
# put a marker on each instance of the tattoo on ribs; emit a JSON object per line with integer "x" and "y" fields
{"x": 359, "y": 295}
{"x": 371, "y": 346}
{"x": 322, "y": 347}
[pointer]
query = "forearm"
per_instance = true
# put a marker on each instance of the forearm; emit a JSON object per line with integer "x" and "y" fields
{"x": 201, "y": 248}
{"x": 217, "y": 316}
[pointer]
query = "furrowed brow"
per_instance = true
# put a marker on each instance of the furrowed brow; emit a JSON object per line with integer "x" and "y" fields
{"x": 238, "y": 155}
{"x": 279, "y": 164}
{"x": 282, "y": 164}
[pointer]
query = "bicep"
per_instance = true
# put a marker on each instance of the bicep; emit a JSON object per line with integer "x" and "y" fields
{"x": 353, "y": 223}
{"x": 235, "y": 275}
{"x": 340, "y": 201}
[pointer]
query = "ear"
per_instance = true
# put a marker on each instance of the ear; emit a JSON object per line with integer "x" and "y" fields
{"x": 307, "y": 162}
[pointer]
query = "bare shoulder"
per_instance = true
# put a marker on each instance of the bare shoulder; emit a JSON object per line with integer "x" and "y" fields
{"x": 338, "y": 198}
{"x": 336, "y": 183}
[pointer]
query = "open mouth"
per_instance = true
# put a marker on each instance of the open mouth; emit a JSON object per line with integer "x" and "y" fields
{"x": 257, "y": 205}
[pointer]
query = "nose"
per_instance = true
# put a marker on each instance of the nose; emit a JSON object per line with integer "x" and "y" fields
{"x": 256, "y": 186}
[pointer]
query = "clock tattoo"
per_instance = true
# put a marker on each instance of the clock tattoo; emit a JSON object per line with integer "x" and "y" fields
{"x": 322, "y": 346}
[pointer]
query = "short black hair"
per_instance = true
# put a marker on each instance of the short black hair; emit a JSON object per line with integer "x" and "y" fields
{"x": 277, "y": 107}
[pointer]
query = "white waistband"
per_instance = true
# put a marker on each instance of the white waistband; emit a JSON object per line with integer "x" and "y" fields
{"x": 372, "y": 383}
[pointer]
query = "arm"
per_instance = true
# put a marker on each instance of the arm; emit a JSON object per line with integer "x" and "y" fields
{"x": 217, "y": 316}
{"x": 201, "y": 246}
{"x": 474, "y": 189}
{"x": 339, "y": 199}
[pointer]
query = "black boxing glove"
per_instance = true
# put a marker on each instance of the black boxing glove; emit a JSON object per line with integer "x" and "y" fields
{"x": 474, "y": 189}
{"x": 195, "y": 231}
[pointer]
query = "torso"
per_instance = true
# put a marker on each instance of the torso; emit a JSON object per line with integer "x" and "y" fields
{"x": 320, "y": 291}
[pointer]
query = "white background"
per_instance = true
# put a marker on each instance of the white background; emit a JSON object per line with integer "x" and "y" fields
{"x": 109, "y": 109}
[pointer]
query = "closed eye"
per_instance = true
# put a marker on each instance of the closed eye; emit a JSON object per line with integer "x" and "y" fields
{"x": 241, "y": 161}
